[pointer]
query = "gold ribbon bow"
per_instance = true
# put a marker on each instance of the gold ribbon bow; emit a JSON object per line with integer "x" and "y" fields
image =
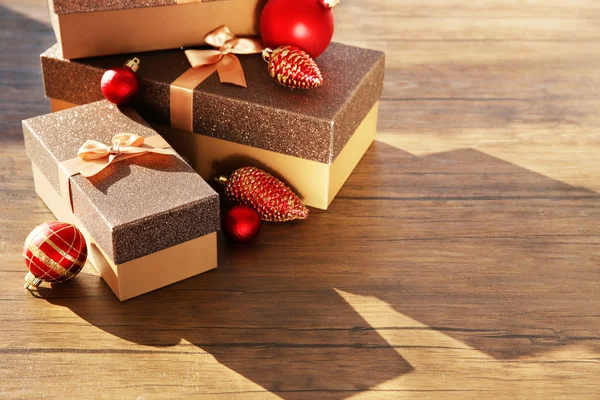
{"x": 95, "y": 156}
{"x": 223, "y": 59}
{"x": 204, "y": 63}
{"x": 98, "y": 156}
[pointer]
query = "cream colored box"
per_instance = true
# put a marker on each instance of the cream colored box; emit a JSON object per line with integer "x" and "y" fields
{"x": 149, "y": 220}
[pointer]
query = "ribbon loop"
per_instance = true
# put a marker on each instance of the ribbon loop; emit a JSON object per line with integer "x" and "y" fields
{"x": 243, "y": 46}
{"x": 127, "y": 139}
{"x": 219, "y": 36}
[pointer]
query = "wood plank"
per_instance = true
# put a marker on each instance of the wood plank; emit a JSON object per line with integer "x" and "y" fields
{"x": 502, "y": 9}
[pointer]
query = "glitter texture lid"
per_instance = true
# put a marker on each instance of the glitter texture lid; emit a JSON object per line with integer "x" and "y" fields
{"x": 311, "y": 124}
{"x": 80, "y": 6}
{"x": 134, "y": 207}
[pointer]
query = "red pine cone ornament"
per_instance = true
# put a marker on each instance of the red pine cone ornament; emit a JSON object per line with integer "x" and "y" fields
{"x": 293, "y": 67}
{"x": 270, "y": 197}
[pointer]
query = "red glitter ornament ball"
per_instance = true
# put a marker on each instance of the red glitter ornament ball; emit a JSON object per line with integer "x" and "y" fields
{"x": 53, "y": 252}
{"x": 120, "y": 85}
{"x": 270, "y": 197}
{"x": 293, "y": 68}
{"x": 242, "y": 223}
{"x": 307, "y": 24}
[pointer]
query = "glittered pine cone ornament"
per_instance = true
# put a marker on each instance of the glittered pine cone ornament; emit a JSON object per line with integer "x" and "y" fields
{"x": 271, "y": 198}
{"x": 293, "y": 67}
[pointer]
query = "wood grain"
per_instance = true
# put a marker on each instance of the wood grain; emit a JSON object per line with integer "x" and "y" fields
{"x": 461, "y": 259}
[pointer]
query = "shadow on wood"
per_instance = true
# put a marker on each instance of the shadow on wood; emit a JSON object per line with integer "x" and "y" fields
{"x": 293, "y": 340}
{"x": 490, "y": 253}
{"x": 454, "y": 240}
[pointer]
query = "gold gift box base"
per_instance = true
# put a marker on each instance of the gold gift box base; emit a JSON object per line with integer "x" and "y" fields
{"x": 144, "y": 274}
{"x": 133, "y": 30}
{"x": 316, "y": 183}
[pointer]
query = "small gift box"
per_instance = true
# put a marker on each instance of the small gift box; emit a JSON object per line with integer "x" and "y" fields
{"x": 89, "y": 28}
{"x": 311, "y": 139}
{"x": 148, "y": 218}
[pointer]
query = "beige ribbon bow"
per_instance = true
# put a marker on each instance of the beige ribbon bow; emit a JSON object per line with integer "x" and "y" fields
{"x": 223, "y": 59}
{"x": 97, "y": 156}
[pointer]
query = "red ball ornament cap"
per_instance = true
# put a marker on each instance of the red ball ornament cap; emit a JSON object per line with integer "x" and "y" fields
{"x": 329, "y": 3}
{"x": 53, "y": 252}
{"x": 120, "y": 85}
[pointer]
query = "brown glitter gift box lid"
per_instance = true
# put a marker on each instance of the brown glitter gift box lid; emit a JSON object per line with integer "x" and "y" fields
{"x": 134, "y": 207}
{"x": 313, "y": 124}
{"x": 80, "y": 6}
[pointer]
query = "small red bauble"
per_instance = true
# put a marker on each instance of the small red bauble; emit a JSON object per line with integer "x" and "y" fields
{"x": 241, "y": 223}
{"x": 307, "y": 24}
{"x": 120, "y": 85}
{"x": 53, "y": 252}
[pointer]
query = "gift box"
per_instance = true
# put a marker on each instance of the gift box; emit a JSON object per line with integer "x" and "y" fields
{"x": 148, "y": 218}
{"x": 89, "y": 28}
{"x": 311, "y": 139}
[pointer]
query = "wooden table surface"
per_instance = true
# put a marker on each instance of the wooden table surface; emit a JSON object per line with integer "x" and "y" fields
{"x": 461, "y": 259}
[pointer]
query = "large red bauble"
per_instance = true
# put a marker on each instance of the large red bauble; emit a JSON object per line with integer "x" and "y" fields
{"x": 307, "y": 24}
{"x": 242, "y": 223}
{"x": 54, "y": 252}
{"x": 119, "y": 85}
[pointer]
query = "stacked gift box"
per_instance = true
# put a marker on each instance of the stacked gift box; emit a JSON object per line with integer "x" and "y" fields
{"x": 229, "y": 110}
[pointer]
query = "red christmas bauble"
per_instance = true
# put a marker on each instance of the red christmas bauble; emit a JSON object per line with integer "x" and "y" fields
{"x": 307, "y": 24}
{"x": 120, "y": 85}
{"x": 242, "y": 223}
{"x": 54, "y": 252}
